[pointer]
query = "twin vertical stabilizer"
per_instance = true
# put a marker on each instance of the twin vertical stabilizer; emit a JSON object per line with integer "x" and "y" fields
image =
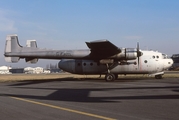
{"x": 32, "y": 44}
{"x": 12, "y": 46}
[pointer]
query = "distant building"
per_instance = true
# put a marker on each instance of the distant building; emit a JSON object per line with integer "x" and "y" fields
{"x": 38, "y": 70}
{"x": 46, "y": 71}
{"x": 175, "y": 58}
{"x": 16, "y": 70}
{"x": 28, "y": 70}
{"x": 5, "y": 70}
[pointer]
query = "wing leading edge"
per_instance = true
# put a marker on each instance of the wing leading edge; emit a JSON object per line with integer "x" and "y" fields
{"x": 102, "y": 49}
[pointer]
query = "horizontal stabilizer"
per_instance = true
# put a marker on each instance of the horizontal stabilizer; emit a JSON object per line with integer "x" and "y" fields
{"x": 12, "y": 59}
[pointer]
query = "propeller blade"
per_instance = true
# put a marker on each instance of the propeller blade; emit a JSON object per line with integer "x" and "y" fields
{"x": 139, "y": 53}
{"x": 125, "y": 53}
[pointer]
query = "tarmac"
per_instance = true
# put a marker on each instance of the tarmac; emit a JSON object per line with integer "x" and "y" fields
{"x": 90, "y": 99}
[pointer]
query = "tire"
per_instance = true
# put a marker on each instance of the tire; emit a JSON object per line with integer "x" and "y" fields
{"x": 109, "y": 77}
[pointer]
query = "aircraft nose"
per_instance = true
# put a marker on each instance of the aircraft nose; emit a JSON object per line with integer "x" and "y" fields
{"x": 171, "y": 61}
{"x": 168, "y": 63}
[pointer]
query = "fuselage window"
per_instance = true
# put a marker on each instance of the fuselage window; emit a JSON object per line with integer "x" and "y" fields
{"x": 84, "y": 64}
{"x": 91, "y": 64}
{"x": 145, "y": 61}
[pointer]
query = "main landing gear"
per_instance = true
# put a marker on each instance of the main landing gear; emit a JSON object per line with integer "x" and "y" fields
{"x": 110, "y": 76}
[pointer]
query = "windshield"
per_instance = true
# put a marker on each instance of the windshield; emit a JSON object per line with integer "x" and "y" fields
{"x": 164, "y": 56}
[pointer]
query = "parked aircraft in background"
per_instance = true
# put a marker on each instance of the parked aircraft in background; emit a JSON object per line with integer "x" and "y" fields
{"x": 102, "y": 57}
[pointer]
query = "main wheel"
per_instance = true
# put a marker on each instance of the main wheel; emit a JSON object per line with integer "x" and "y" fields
{"x": 110, "y": 77}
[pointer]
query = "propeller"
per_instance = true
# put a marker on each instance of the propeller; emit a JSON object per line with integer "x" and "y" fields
{"x": 125, "y": 53}
{"x": 139, "y": 53}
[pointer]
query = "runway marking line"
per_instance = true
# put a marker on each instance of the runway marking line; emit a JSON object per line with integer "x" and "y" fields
{"x": 63, "y": 108}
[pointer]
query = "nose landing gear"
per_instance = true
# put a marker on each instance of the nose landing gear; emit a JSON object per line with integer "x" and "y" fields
{"x": 158, "y": 76}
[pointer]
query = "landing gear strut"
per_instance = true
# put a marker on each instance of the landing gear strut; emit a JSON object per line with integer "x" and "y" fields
{"x": 110, "y": 76}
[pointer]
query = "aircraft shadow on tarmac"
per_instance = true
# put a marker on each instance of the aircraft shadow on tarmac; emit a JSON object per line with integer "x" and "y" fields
{"x": 28, "y": 82}
{"x": 83, "y": 94}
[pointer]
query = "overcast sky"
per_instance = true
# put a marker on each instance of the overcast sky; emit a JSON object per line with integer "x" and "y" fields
{"x": 68, "y": 24}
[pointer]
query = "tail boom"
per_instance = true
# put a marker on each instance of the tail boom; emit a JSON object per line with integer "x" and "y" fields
{"x": 31, "y": 53}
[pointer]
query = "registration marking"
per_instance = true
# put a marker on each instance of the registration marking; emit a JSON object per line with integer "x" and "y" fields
{"x": 64, "y": 109}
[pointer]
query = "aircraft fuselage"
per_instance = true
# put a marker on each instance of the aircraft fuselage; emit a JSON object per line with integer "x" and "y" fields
{"x": 150, "y": 62}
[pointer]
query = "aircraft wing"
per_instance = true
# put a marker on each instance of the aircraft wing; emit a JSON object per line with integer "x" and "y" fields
{"x": 102, "y": 49}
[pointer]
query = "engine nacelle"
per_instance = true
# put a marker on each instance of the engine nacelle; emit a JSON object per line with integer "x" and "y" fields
{"x": 127, "y": 54}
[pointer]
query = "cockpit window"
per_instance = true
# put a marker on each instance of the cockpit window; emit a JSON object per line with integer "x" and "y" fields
{"x": 164, "y": 56}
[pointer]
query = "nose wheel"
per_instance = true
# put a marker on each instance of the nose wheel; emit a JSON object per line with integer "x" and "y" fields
{"x": 158, "y": 76}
